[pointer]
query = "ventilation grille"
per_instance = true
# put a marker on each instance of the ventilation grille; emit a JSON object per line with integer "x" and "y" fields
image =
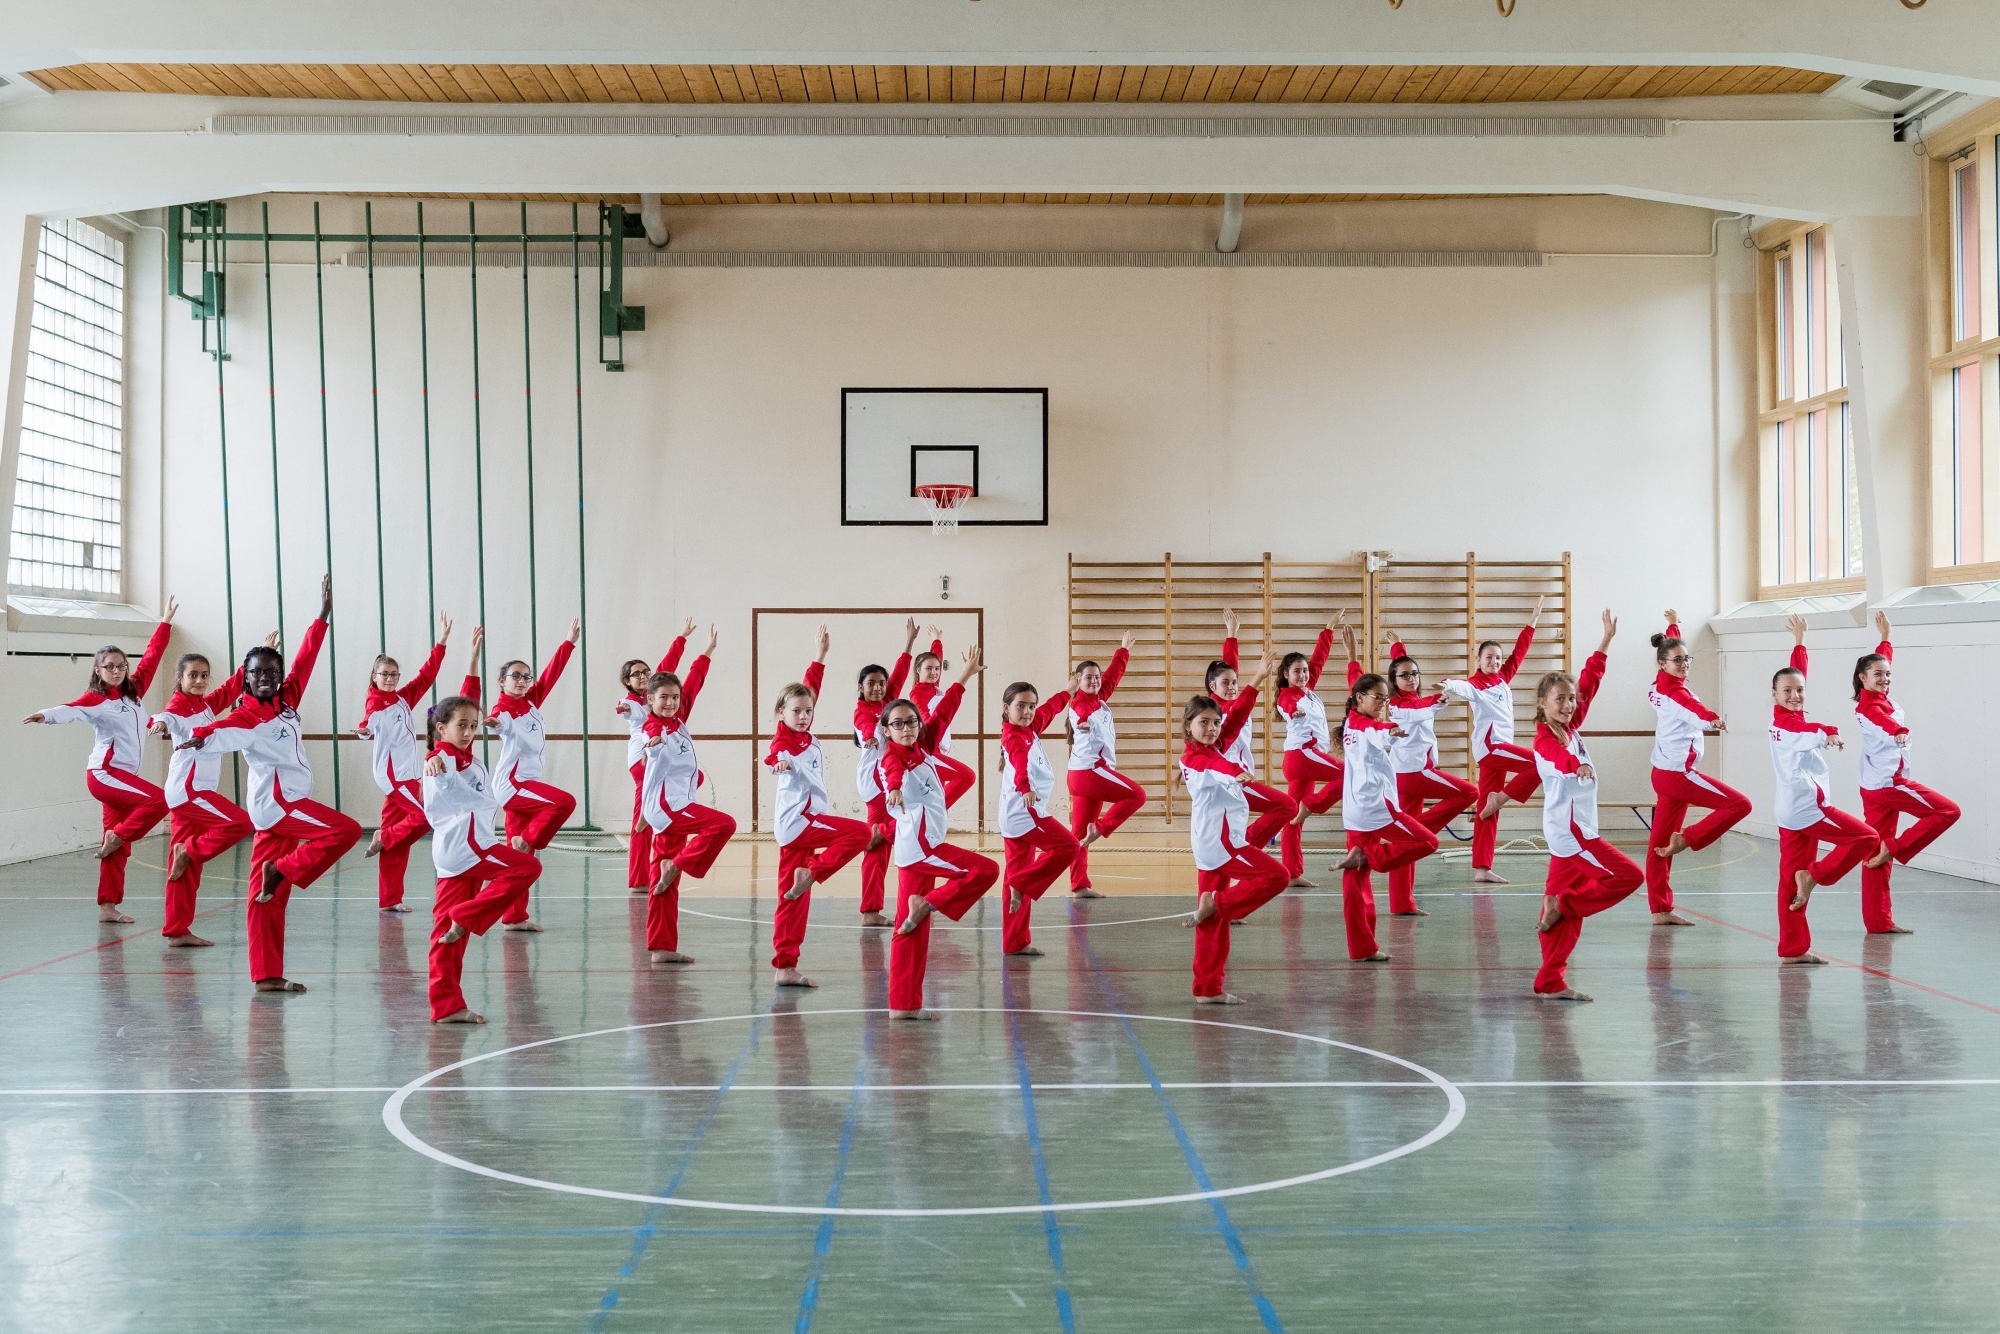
{"x": 454, "y": 257}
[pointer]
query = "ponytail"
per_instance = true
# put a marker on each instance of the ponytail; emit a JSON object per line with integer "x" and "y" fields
{"x": 1861, "y": 666}
{"x": 1363, "y": 686}
{"x": 1664, "y": 644}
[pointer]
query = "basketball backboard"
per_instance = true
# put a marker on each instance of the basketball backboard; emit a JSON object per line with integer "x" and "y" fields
{"x": 894, "y": 440}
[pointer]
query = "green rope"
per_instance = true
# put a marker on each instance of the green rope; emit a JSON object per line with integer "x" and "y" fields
{"x": 478, "y": 448}
{"x": 528, "y": 413}
{"x": 375, "y": 421}
{"x": 222, "y": 443}
{"x": 582, "y": 610}
{"x": 271, "y": 390}
{"x": 326, "y": 499}
{"x": 424, "y": 363}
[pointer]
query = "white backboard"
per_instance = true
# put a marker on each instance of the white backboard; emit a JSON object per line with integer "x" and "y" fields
{"x": 892, "y": 440}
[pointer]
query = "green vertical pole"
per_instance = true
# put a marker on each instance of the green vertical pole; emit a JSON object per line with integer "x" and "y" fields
{"x": 271, "y": 388}
{"x": 478, "y": 448}
{"x": 375, "y": 420}
{"x": 424, "y": 369}
{"x": 222, "y": 443}
{"x": 582, "y": 611}
{"x": 326, "y": 500}
{"x": 528, "y": 412}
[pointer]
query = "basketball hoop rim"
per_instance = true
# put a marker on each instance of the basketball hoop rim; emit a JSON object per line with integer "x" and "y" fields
{"x": 944, "y": 495}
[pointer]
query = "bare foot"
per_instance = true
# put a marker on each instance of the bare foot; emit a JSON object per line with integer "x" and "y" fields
{"x": 374, "y": 847}
{"x": 108, "y": 912}
{"x": 1883, "y": 856}
{"x": 1090, "y": 836}
{"x": 875, "y": 839}
{"x": 1222, "y": 999}
{"x": 281, "y": 984}
{"x": 190, "y": 941}
{"x": 1013, "y": 900}
{"x": 670, "y": 875}
{"x": 1566, "y": 994}
{"x": 1410, "y": 912}
{"x": 521, "y": 926}
{"x": 1025, "y": 952}
{"x": 1494, "y": 802}
{"x": 1552, "y": 912}
{"x": 397, "y": 907}
{"x": 1802, "y": 886}
{"x": 1671, "y": 918}
{"x": 461, "y": 1017}
{"x": 452, "y": 935}
{"x": 874, "y": 919}
{"x": 792, "y": 977}
{"x": 109, "y": 847}
{"x": 920, "y": 908}
{"x": 1300, "y": 882}
{"x": 1807, "y": 958}
{"x": 1353, "y": 861}
{"x": 1892, "y": 931}
{"x": 1204, "y": 908}
{"x": 1676, "y": 845}
{"x": 924, "y": 1015}
{"x": 1379, "y": 956}
{"x": 178, "y": 861}
{"x": 1084, "y": 892}
{"x": 669, "y": 956}
{"x": 521, "y": 844}
{"x": 272, "y": 879}
{"x": 642, "y": 889}
{"x": 1486, "y": 875}
{"x": 802, "y": 880}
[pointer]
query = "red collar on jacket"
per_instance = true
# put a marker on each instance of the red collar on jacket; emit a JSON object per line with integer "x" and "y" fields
{"x": 184, "y": 705}
{"x": 785, "y": 741}
{"x": 656, "y": 725}
{"x": 1794, "y": 720}
{"x": 462, "y": 759}
{"x": 1363, "y": 722}
{"x": 910, "y": 756}
{"x": 1404, "y": 699}
{"x": 512, "y": 705}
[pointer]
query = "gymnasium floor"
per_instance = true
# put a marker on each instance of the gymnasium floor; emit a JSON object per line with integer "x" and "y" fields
{"x": 1716, "y": 1144}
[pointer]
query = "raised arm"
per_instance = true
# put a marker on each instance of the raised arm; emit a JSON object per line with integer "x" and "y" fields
{"x": 1115, "y": 672}
{"x": 1051, "y": 709}
{"x": 558, "y": 660}
{"x": 1322, "y": 650}
{"x": 1885, "y": 648}
{"x": 1522, "y": 642}
{"x": 1797, "y": 625}
{"x": 1234, "y": 716}
{"x": 691, "y": 687}
{"x": 156, "y": 648}
{"x": 296, "y": 680}
{"x": 1232, "y": 651}
{"x": 426, "y": 674}
{"x": 1592, "y": 675}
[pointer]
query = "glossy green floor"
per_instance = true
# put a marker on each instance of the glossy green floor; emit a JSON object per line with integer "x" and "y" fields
{"x": 1716, "y": 1144}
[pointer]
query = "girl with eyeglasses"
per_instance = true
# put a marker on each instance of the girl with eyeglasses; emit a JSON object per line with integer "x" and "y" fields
{"x": 534, "y": 811}
{"x": 914, "y": 791}
{"x": 1506, "y": 771}
{"x": 927, "y": 673}
{"x": 1100, "y": 798}
{"x": 1887, "y": 790}
{"x": 389, "y": 726}
{"x": 1312, "y": 775}
{"x": 687, "y": 836}
{"x": 1039, "y": 848}
{"x": 636, "y": 676}
{"x": 874, "y": 688}
{"x": 1381, "y": 836}
{"x": 1434, "y": 797}
{"x": 1679, "y": 732}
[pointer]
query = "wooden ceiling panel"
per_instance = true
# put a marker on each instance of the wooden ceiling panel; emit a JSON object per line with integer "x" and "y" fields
{"x": 702, "y": 84}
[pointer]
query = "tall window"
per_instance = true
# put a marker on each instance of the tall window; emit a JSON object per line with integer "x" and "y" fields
{"x": 1965, "y": 366}
{"x": 1811, "y": 497}
{"x": 69, "y": 523}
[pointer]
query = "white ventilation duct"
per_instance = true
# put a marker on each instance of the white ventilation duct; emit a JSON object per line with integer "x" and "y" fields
{"x": 656, "y": 226}
{"x": 1232, "y": 224}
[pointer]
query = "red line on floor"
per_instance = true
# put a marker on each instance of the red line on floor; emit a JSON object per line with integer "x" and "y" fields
{"x": 115, "y": 940}
{"x": 1847, "y": 963}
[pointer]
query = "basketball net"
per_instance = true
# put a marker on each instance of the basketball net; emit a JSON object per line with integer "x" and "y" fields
{"x": 945, "y": 500}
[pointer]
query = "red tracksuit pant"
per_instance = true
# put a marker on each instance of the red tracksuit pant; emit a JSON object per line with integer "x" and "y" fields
{"x": 1934, "y": 813}
{"x": 692, "y": 842}
{"x": 1451, "y": 795}
{"x": 303, "y": 845}
{"x": 1101, "y": 797}
{"x": 875, "y": 860}
{"x": 1584, "y": 884}
{"x": 536, "y": 812}
{"x": 1245, "y": 883}
{"x": 132, "y": 806}
{"x": 1398, "y": 843}
{"x": 1853, "y": 842}
{"x": 1034, "y": 860}
{"x": 205, "y": 826}
{"x": 958, "y": 778}
{"x": 505, "y": 876}
{"x": 1313, "y": 780}
{"x": 827, "y": 843}
{"x": 402, "y": 824}
{"x": 1506, "y": 768}
{"x": 639, "y": 857}
{"x": 1678, "y": 791}
{"x": 965, "y": 876}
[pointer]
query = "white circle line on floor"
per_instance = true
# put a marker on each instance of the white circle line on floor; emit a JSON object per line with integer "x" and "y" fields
{"x": 392, "y": 1117}
{"x": 942, "y": 926}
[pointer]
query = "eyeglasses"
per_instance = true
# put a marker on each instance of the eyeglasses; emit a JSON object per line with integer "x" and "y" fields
{"x": 1678, "y": 660}
{"x": 515, "y": 676}
{"x": 1373, "y": 694}
{"x": 899, "y": 724}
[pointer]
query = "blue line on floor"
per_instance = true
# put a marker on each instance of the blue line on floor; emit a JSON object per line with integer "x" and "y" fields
{"x": 1051, "y": 1229}
{"x": 647, "y": 1230}
{"x": 823, "y": 1237}
{"x": 1230, "y": 1237}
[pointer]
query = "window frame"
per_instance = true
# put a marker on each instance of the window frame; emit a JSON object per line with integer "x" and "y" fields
{"x": 1956, "y": 342}
{"x": 119, "y": 594}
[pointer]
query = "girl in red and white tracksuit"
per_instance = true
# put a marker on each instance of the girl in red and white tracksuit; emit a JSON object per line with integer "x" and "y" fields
{"x": 1234, "y": 875}
{"x": 1222, "y": 683}
{"x": 479, "y": 876}
{"x": 1038, "y": 847}
{"x": 813, "y": 843}
{"x": 298, "y": 838}
{"x": 874, "y": 688}
{"x": 1681, "y": 722}
{"x": 913, "y": 788}
{"x": 114, "y": 706}
{"x": 390, "y": 726}
{"x": 1887, "y": 790}
{"x": 1506, "y": 771}
{"x": 204, "y": 824}
{"x": 927, "y": 670}
{"x": 636, "y": 677}
{"x": 1419, "y": 780}
{"x": 1805, "y": 818}
{"x": 1313, "y": 777}
{"x": 687, "y": 836}
{"x": 1586, "y": 874}
{"x": 535, "y": 810}
{"x": 1100, "y": 798}
{"x": 1380, "y": 835}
